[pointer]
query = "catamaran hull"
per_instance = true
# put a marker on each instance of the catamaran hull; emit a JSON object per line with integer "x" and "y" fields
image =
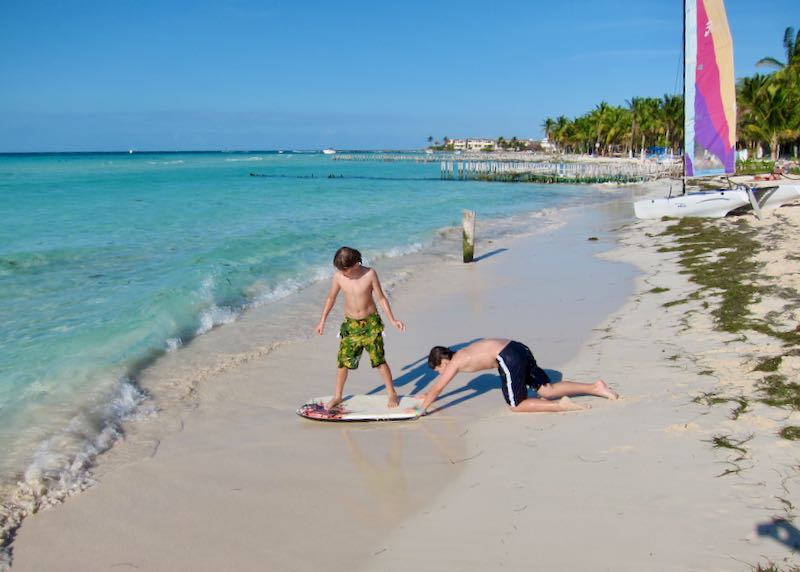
{"x": 772, "y": 197}
{"x": 716, "y": 204}
{"x": 713, "y": 204}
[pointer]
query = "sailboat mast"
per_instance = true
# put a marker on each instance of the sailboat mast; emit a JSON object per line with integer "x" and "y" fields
{"x": 683, "y": 51}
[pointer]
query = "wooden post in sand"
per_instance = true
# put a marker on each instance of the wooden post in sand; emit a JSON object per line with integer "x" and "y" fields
{"x": 469, "y": 235}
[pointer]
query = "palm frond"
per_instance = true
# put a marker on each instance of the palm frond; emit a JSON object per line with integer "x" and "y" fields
{"x": 770, "y": 62}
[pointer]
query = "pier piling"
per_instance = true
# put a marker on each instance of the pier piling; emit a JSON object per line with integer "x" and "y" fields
{"x": 468, "y": 235}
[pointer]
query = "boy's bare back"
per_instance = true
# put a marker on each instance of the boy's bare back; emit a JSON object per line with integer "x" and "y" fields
{"x": 480, "y": 355}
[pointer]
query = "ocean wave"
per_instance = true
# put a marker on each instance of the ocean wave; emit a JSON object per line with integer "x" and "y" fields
{"x": 288, "y": 287}
{"x": 403, "y": 250}
{"x": 215, "y": 316}
{"x": 173, "y": 162}
{"x": 61, "y": 464}
{"x": 238, "y": 160}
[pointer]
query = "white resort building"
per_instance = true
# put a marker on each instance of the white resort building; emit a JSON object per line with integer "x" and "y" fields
{"x": 472, "y": 144}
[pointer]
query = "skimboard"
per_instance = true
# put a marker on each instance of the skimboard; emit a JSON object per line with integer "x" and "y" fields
{"x": 360, "y": 408}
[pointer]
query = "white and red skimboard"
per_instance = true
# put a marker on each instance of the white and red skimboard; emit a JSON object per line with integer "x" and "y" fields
{"x": 361, "y": 408}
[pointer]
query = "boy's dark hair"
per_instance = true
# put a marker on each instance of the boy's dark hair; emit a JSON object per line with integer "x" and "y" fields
{"x": 438, "y": 353}
{"x": 346, "y": 257}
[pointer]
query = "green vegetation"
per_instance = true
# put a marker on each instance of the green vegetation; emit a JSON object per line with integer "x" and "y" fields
{"x": 768, "y": 116}
{"x": 772, "y": 567}
{"x": 547, "y": 178}
{"x": 610, "y": 129}
{"x": 720, "y": 261}
{"x": 790, "y": 432}
{"x": 769, "y": 364}
{"x": 512, "y": 144}
{"x": 710, "y": 399}
{"x": 735, "y": 445}
{"x": 777, "y": 391}
{"x": 754, "y": 166}
{"x": 724, "y": 442}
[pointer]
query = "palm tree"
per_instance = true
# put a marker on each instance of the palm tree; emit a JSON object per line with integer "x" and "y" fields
{"x": 599, "y": 118}
{"x": 748, "y": 92}
{"x": 791, "y": 44}
{"x": 671, "y": 107}
{"x": 634, "y": 105}
{"x": 561, "y": 131}
{"x": 548, "y": 126}
{"x": 582, "y": 134}
{"x": 773, "y": 115}
{"x": 791, "y": 76}
{"x": 618, "y": 125}
{"x": 609, "y": 124}
{"x": 645, "y": 120}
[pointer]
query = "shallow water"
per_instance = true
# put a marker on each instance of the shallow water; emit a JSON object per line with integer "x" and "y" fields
{"x": 108, "y": 261}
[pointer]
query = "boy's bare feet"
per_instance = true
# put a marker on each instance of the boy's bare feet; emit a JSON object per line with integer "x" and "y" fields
{"x": 567, "y": 404}
{"x": 333, "y": 403}
{"x": 393, "y": 401}
{"x": 604, "y": 391}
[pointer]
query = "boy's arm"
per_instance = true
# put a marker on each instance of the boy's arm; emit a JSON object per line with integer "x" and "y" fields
{"x": 438, "y": 385}
{"x": 329, "y": 302}
{"x": 384, "y": 302}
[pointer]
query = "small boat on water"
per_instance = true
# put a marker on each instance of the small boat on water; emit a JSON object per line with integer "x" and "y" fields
{"x": 329, "y": 151}
{"x": 710, "y": 124}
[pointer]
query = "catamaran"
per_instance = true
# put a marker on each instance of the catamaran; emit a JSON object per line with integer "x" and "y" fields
{"x": 710, "y": 123}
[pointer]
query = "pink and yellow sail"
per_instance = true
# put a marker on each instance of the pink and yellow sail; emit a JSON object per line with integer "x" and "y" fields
{"x": 710, "y": 92}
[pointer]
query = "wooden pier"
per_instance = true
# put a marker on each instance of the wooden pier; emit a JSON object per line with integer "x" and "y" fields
{"x": 531, "y": 168}
{"x": 557, "y": 172}
{"x": 386, "y": 157}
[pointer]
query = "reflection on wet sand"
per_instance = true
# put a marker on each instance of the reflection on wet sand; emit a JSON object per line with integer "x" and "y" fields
{"x": 398, "y": 470}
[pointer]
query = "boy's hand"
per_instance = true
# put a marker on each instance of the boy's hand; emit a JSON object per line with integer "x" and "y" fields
{"x": 320, "y": 327}
{"x": 399, "y": 325}
{"x": 415, "y": 411}
{"x": 422, "y": 397}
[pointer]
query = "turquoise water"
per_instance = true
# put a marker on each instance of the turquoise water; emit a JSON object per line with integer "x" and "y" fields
{"x": 109, "y": 260}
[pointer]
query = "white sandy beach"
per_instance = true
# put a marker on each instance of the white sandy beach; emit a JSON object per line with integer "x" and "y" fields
{"x": 234, "y": 480}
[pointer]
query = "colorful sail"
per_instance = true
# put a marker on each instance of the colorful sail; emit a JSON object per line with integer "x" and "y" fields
{"x": 710, "y": 93}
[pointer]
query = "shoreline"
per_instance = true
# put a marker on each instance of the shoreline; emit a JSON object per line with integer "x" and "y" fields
{"x": 157, "y": 387}
{"x": 148, "y": 440}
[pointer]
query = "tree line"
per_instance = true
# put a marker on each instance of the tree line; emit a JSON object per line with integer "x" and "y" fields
{"x": 768, "y": 116}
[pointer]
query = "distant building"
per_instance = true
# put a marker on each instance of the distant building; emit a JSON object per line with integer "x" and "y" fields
{"x": 546, "y": 145}
{"x": 471, "y": 144}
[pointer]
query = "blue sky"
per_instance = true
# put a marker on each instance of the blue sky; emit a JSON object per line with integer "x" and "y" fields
{"x": 110, "y": 75}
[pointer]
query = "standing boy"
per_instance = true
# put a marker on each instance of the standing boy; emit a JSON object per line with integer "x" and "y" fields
{"x": 362, "y": 328}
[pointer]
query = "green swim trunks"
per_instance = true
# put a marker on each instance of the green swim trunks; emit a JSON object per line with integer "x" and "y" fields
{"x": 359, "y": 335}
